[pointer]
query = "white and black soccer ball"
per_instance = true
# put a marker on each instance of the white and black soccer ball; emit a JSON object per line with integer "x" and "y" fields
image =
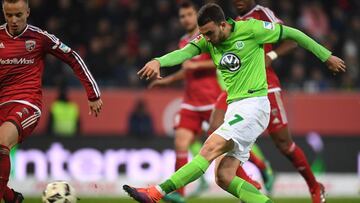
{"x": 59, "y": 192}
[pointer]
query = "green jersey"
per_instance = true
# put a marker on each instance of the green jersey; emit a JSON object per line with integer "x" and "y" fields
{"x": 240, "y": 58}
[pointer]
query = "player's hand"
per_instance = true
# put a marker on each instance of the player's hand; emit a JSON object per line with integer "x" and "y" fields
{"x": 95, "y": 107}
{"x": 189, "y": 65}
{"x": 268, "y": 61}
{"x": 336, "y": 64}
{"x": 150, "y": 70}
{"x": 158, "y": 83}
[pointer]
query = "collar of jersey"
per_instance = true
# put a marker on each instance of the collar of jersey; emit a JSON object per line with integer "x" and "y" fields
{"x": 232, "y": 23}
{"x": 17, "y": 36}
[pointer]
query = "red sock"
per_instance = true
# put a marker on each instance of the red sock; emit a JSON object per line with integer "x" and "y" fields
{"x": 242, "y": 174}
{"x": 299, "y": 161}
{"x": 181, "y": 160}
{"x": 8, "y": 194}
{"x": 4, "y": 169}
{"x": 257, "y": 161}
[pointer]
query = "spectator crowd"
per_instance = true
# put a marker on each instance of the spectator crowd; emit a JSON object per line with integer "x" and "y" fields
{"x": 116, "y": 38}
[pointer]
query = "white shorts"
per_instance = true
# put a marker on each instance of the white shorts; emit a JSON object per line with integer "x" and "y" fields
{"x": 244, "y": 121}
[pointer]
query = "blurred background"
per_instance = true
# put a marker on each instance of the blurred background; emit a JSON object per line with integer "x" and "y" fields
{"x": 131, "y": 141}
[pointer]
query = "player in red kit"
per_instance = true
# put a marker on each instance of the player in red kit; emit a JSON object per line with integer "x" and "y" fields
{"x": 278, "y": 128}
{"x": 201, "y": 89}
{"x": 22, "y": 52}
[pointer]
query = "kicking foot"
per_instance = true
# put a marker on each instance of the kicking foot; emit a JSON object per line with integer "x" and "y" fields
{"x": 144, "y": 195}
{"x": 318, "y": 194}
{"x": 18, "y": 198}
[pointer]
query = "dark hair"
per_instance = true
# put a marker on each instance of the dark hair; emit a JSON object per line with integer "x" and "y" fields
{"x": 187, "y": 4}
{"x": 15, "y": 1}
{"x": 210, "y": 12}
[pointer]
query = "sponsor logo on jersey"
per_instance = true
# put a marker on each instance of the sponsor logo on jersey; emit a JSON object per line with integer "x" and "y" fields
{"x": 239, "y": 45}
{"x": 2, "y": 45}
{"x": 16, "y": 61}
{"x": 230, "y": 61}
{"x": 30, "y": 45}
{"x": 64, "y": 48}
{"x": 269, "y": 26}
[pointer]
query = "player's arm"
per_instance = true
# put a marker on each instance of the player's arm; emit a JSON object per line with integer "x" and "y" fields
{"x": 285, "y": 47}
{"x": 266, "y": 32}
{"x": 53, "y": 46}
{"x": 152, "y": 68}
{"x": 178, "y": 75}
{"x": 334, "y": 63}
{"x": 201, "y": 64}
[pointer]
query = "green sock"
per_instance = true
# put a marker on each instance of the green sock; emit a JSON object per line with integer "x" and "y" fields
{"x": 186, "y": 174}
{"x": 246, "y": 192}
{"x": 195, "y": 147}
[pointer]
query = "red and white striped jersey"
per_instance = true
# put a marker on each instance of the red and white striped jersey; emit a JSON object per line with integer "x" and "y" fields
{"x": 265, "y": 14}
{"x": 201, "y": 85}
{"x": 22, "y": 63}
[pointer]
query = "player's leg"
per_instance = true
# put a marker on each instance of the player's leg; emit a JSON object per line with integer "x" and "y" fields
{"x": 20, "y": 121}
{"x": 188, "y": 123}
{"x": 213, "y": 147}
{"x": 8, "y": 138}
{"x": 225, "y": 177}
{"x": 280, "y": 134}
{"x": 216, "y": 120}
{"x": 183, "y": 139}
{"x": 248, "y": 121}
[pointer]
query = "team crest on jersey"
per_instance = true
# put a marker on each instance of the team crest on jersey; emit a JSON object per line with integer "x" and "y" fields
{"x": 269, "y": 26}
{"x": 239, "y": 45}
{"x": 30, "y": 45}
{"x": 230, "y": 61}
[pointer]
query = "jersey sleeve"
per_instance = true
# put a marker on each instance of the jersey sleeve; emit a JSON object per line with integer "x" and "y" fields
{"x": 178, "y": 56}
{"x": 201, "y": 43}
{"x": 58, "y": 49}
{"x": 306, "y": 42}
{"x": 266, "y": 32}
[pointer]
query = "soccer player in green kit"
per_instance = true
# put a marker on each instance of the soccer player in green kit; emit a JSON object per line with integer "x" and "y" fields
{"x": 237, "y": 50}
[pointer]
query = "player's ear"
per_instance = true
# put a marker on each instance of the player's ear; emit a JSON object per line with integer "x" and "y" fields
{"x": 223, "y": 25}
{"x": 28, "y": 12}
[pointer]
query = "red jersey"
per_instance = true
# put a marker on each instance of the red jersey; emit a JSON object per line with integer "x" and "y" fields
{"x": 22, "y": 63}
{"x": 265, "y": 14}
{"x": 201, "y": 86}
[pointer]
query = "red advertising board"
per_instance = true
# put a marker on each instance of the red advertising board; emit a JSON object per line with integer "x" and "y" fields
{"x": 326, "y": 113}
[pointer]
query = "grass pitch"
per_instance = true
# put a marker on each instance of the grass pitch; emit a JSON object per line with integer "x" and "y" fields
{"x": 205, "y": 200}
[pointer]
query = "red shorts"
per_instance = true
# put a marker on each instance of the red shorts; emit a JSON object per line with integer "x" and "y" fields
{"x": 24, "y": 117}
{"x": 278, "y": 119}
{"x": 221, "y": 101}
{"x": 192, "y": 120}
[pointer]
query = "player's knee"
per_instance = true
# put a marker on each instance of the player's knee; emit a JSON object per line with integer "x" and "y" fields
{"x": 209, "y": 150}
{"x": 6, "y": 141}
{"x": 181, "y": 145}
{"x": 183, "y": 141}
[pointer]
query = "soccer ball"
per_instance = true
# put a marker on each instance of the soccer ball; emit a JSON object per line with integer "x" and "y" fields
{"x": 59, "y": 192}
